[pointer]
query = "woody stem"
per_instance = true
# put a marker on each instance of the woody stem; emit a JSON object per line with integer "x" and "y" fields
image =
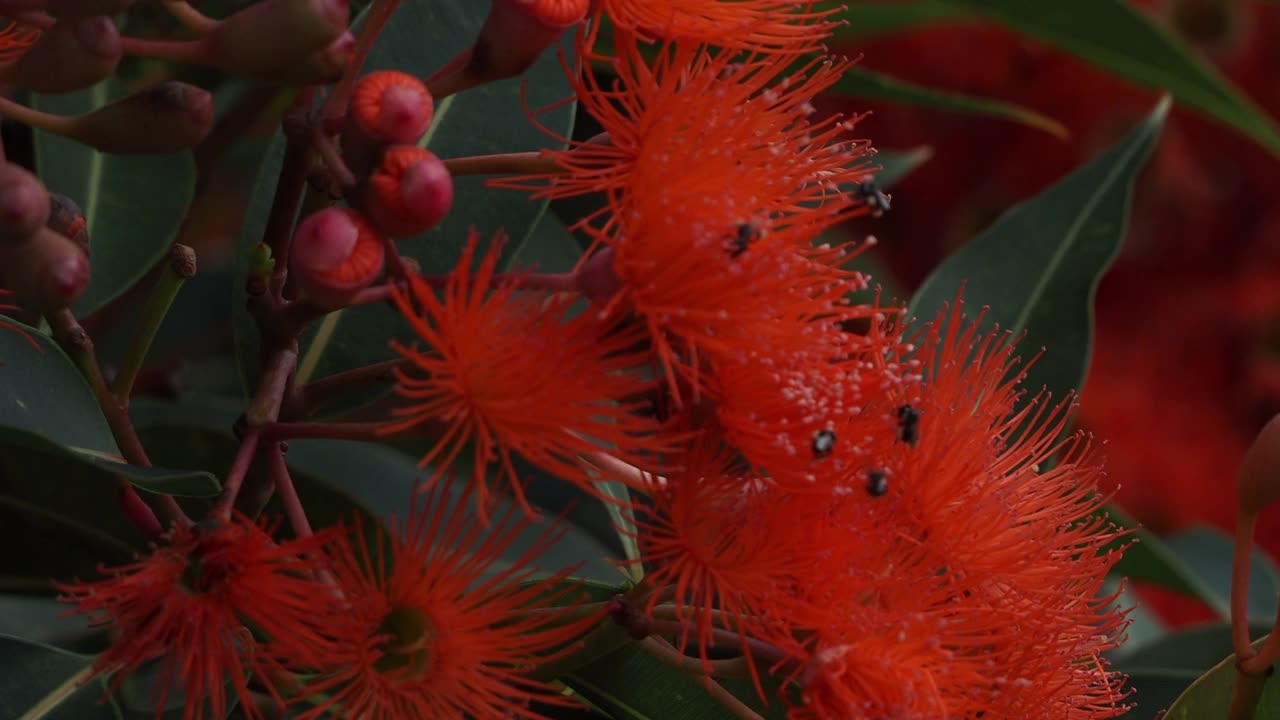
{"x": 662, "y": 650}
{"x": 324, "y": 431}
{"x": 304, "y": 400}
{"x": 288, "y": 493}
{"x": 335, "y": 105}
{"x": 79, "y": 346}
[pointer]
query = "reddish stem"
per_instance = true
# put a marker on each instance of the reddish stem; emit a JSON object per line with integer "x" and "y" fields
{"x": 324, "y": 431}
{"x": 235, "y": 476}
{"x": 183, "y": 51}
{"x": 1246, "y": 522}
{"x": 305, "y": 399}
{"x": 335, "y": 106}
{"x": 288, "y": 493}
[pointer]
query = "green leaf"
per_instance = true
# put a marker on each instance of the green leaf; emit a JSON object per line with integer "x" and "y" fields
{"x": 1210, "y": 695}
{"x": 868, "y": 19}
{"x": 38, "y": 682}
{"x": 489, "y": 119}
{"x": 1038, "y": 266}
{"x": 897, "y": 164}
{"x": 1207, "y": 552}
{"x": 631, "y": 684}
{"x": 865, "y": 83}
{"x": 1117, "y": 37}
{"x": 1193, "y": 649}
{"x": 1150, "y": 560}
{"x": 133, "y": 204}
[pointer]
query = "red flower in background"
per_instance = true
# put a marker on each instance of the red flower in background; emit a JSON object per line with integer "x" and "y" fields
{"x": 1185, "y": 371}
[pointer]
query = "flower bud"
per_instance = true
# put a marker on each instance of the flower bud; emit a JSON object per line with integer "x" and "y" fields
{"x": 75, "y": 53}
{"x": 514, "y": 35}
{"x": 87, "y": 8}
{"x": 597, "y": 280}
{"x": 47, "y": 273}
{"x": 319, "y": 68}
{"x": 66, "y": 218}
{"x": 263, "y": 39}
{"x": 24, "y": 205}
{"x": 391, "y": 107}
{"x": 163, "y": 118}
{"x": 335, "y": 254}
{"x": 388, "y": 107}
{"x": 1258, "y": 483}
{"x": 409, "y": 192}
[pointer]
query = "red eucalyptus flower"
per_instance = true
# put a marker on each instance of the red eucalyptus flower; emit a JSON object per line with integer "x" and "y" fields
{"x": 191, "y": 604}
{"x": 15, "y": 39}
{"x": 758, "y": 25}
{"x": 439, "y": 625}
{"x": 511, "y": 374}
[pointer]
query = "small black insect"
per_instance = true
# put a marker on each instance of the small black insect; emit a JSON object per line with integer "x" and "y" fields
{"x": 877, "y": 483}
{"x": 744, "y": 235}
{"x": 824, "y": 441}
{"x": 874, "y": 198}
{"x": 908, "y": 425}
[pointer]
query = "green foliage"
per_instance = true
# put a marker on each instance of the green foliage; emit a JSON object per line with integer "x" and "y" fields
{"x": 1037, "y": 268}
{"x": 133, "y": 204}
{"x": 38, "y": 682}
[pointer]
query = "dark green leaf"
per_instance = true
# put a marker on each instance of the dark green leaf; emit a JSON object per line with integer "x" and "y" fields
{"x": 1193, "y": 649}
{"x": 42, "y": 392}
{"x": 1038, "y": 266}
{"x": 489, "y": 119}
{"x": 1207, "y": 552}
{"x": 38, "y": 682}
{"x": 897, "y": 164}
{"x": 1116, "y": 36}
{"x": 1154, "y": 690}
{"x": 1149, "y": 560}
{"x": 631, "y": 684}
{"x": 43, "y": 620}
{"x": 133, "y": 204}
{"x": 865, "y": 83}
{"x": 1210, "y": 695}
{"x": 868, "y": 19}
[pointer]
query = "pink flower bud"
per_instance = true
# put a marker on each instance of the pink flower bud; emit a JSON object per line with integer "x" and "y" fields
{"x": 266, "y": 38}
{"x": 410, "y": 191}
{"x": 1258, "y": 482}
{"x": 47, "y": 273}
{"x": 75, "y": 53}
{"x": 24, "y": 205}
{"x": 596, "y": 279}
{"x": 336, "y": 253}
{"x": 391, "y": 107}
{"x": 164, "y": 118}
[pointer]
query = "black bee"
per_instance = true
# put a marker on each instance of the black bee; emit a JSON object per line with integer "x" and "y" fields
{"x": 909, "y": 425}
{"x": 824, "y": 441}
{"x": 874, "y": 198}
{"x": 744, "y": 235}
{"x": 877, "y": 483}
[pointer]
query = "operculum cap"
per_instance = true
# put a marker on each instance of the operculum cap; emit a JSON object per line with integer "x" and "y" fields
{"x": 164, "y": 118}
{"x": 335, "y": 254}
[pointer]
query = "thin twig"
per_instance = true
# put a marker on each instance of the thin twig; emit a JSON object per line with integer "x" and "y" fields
{"x": 324, "y": 431}
{"x": 283, "y": 482}
{"x": 520, "y": 163}
{"x": 307, "y": 398}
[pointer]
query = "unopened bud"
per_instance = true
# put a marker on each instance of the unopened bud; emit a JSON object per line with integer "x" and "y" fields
{"x": 263, "y": 39}
{"x": 24, "y": 205}
{"x": 1258, "y": 483}
{"x": 87, "y": 8}
{"x": 335, "y": 254}
{"x": 391, "y": 107}
{"x": 47, "y": 273}
{"x": 410, "y": 191}
{"x": 597, "y": 280}
{"x": 319, "y": 68}
{"x": 513, "y": 37}
{"x": 66, "y": 218}
{"x": 75, "y": 53}
{"x": 164, "y": 118}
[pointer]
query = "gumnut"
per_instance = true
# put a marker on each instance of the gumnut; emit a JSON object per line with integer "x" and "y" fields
{"x": 265, "y": 38}
{"x": 47, "y": 273}
{"x": 75, "y": 53}
{"x": 335, "y": 254}
{"x": 1258, "y": 482}
{"x": 388, "y": 107}
{"x": 163, "y": 118}
{"x": 24, "y": 205}
{"x": 410, "y": 191}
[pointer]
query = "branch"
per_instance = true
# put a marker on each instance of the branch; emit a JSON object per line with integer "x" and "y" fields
{"x": 662, "y": 650}
{"x": 180, "y": 267}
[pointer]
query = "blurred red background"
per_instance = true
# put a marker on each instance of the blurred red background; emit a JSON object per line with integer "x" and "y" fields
{"x": 1187, "y": 362}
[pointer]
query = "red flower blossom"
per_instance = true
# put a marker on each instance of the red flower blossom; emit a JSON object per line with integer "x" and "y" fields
{"x": 440, "y": 626}
{"x": 725, "y": 544}
{"x": 15, "y": 39}
{"x": 1005, "y": 556}
{"x": 511, "y": 374}
{"x": 758, "y": 25}
{"x": 189, "y": 603}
